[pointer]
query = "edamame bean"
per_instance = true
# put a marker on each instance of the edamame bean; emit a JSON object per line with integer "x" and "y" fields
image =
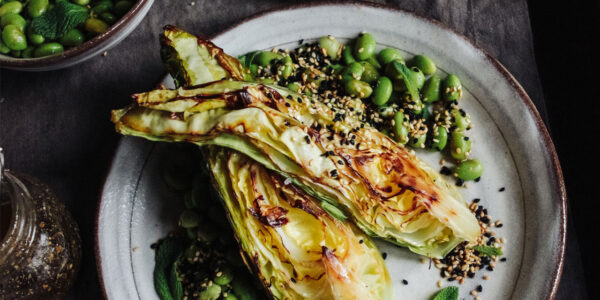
{"x": 353, "y": 71}
{"x": 431, "y": 89}
{"x": 81, "y": 2}
{"x": 370, "y": 73}
{"x": 287, "y": 67}
{"x": 374, "y": 62}
{"x": 36, "y": 8}
{"x": 358, "y": 88}
{"x": 189, "y": 219}
{"x": 383, "y": 91}
{"x": 28, "y": 52}
{"x": 253, "y": 69}
{"x": 418, "y": 77}
{"x": 224, "y": 276}
{"x": 386, "y": 112}
{"x": 108, "y": 17}
{"x": 364, "y": 47}
{"x": 401, "y": 132}
{"x": 418, "y": 140}
{"x": 34, "y": 38}
{"x": 388, "y": 55}
{"x": 230, "y": 296}
{"x": 122, "y": 7}
{"x": 294, "y": 87}
{"x": 211, "y": 292}
{"x": 102, "y": 6}
{"x": 95, "y": 26}
{"x": 331, "y": 46}
{"x": 206, "y": 233}
{"x": 347, "y": 56}
{"x": 439, "y": 138}
{"x": 424, "y": 64}
{"x": 460, "y": 119}
{"x": 15, "y": 19}
{"x": 460, "y": 145}
{"x": 264, "y": 58}
{"x": 452, "y": 88}
{"x": 11, "y": 7}
{"x": 3, "y": 48}
{"x": 13, "y": 37}
{"x": 469, "y": 169}
{"x": 73, "y": 38}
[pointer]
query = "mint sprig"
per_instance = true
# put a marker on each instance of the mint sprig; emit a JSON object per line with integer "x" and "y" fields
{"x": 59, "y": 20}
{"x": 449, "y": 293}
{"x": 488, "y": 250}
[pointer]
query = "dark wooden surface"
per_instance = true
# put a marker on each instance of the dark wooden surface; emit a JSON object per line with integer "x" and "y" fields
{"x": 55, "y": 125}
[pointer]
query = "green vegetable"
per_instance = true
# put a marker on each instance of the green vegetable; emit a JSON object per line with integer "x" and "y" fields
{"x": 59, "y": 20}
{"x": 36, "y": 8}
{"x": 331, "y": 46}
{"x": 175, "y": 282}
{"x": 364, "y": 46}
{"x": 14, "y": 7}
{"x": 383, "y": 91}
{"x": 3, "y": 48}
{"x": 417, "y": 141}
{"x": 264, "y": 58}
{"x": 354, "y": 70}
{"x": 424, "y": 64}
{"x": 102, "y": 6}
{"x": 189, "y": 219}
{"x": 488, "y": 250}
{"x": 73, "y": 38}
{"x": 469, "y": 169}
{"x": 13, "y": 37}
{"x": 108, "y": 17}
{"x": 122, "y": 7}
{"x": 95, "y": 26}
{"x": 449, "y": 293}
{"x": 287, "y": 67}
{"x": 15, "y": 19}
{"x": 399, "y": 129}
{"x": 223, "y": 276}
{"x": 347, "y": 56}
{"x": 370, "y": 74}
{"x": 404, "y": 77}
{"x": 439, "y": 138}
{"x": 460, "y": 145}
{"x": 452, "y": 88}
{"x": 460, "y": 119}
{"x": 388, "y": 55}
{"x": 211, "y": 292}
{"x": 301, "y": 236}
{"x": 358, "y": 88}
{"x": 81, "y": 2}
{"x": 431, "y": 89}
{"x": 166, "y": 254}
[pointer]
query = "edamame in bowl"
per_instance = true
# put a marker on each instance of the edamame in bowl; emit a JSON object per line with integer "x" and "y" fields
{"x": 40, "y": 35}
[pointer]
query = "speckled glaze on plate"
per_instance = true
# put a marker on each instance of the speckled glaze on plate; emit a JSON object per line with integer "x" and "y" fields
{"x": 509, "y": 138}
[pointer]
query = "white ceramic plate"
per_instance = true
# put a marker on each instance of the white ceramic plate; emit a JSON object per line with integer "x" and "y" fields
{"x": 509, "y": 138}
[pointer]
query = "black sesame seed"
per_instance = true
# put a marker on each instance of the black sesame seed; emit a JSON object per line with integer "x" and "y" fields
{"x": 459, "y": 182}
{"x": 476, "y": 200}
{"x": 384, "y": 255}
{"x": 478, "y": 179}
{"x": 405, "y": 282}
{"x": 503, "y": 259}
{"x": 287, "y": 104}
{"x": 499, "y": 225}
{"x": 479, "y": 288}
{"x": 466, "y": 138}
{"x": 307, "y": 139}
{"x": 360, "y": 241}
{"x": 502, "y": 189}
{"x": 489, "y": 268}
{"x": 446, "y": 171}
{"x": 293, "y": 280}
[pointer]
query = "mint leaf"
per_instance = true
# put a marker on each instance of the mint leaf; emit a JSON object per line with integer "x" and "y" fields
{"x": 176, "y": 283}
{"x": 56, "y": 22}
{"x": 449, "y": 293}
{"x": 167, "y": 253}
{"x": 488, "y": 250}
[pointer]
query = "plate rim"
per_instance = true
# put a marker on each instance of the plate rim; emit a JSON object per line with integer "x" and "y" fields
{"x": 559, "y": 186}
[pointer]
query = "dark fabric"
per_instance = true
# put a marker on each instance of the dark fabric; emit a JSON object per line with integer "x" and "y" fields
{"x": 55, "y": 125}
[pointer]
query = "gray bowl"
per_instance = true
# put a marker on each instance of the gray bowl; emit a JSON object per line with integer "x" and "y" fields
{"x": 100, "y": 43}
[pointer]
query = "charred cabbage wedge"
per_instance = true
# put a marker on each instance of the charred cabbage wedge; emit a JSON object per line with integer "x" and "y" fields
{"x": 296, "y": 248}
{"x": 387, "y": 191}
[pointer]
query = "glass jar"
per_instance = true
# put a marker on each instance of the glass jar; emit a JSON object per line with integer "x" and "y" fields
{"x": 40, "y": 248}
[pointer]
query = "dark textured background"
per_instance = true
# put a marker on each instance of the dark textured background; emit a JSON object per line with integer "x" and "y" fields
{"x": 55, "y": 125}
